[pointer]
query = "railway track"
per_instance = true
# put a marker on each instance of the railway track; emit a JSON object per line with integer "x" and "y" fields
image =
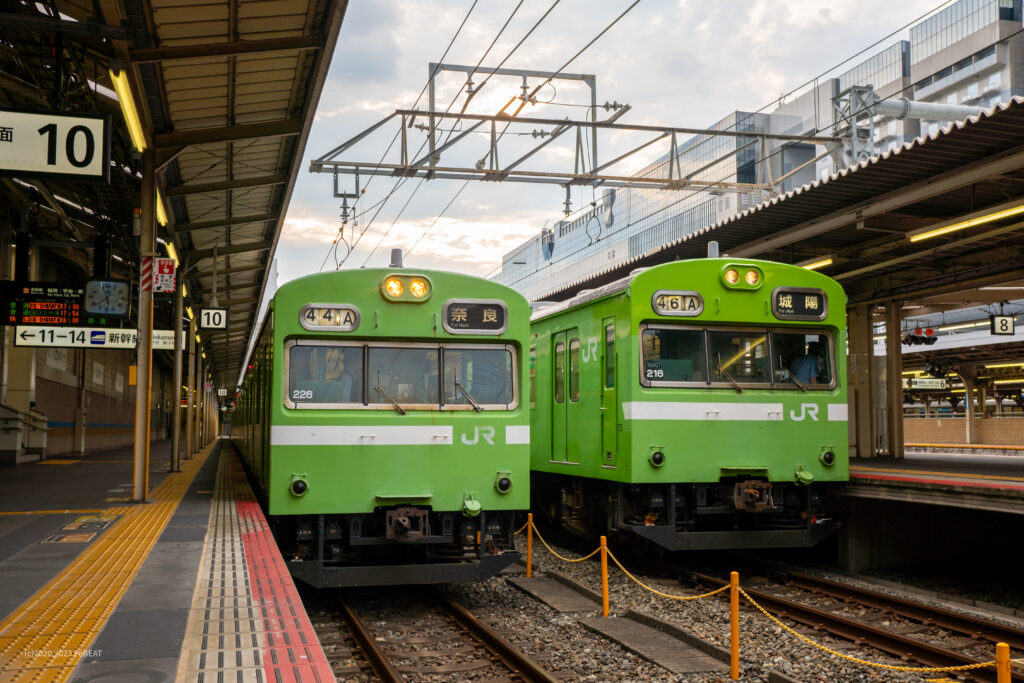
{"x": 911, "y": 631}
{"x": 410, "y": 636}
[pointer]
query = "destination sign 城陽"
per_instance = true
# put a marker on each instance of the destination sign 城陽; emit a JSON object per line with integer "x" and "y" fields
{"x": 475, "y": 317}
{"x": 799, "y": 304}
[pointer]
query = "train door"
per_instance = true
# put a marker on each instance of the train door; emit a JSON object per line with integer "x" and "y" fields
{"x": 572, "y": 405}
{"x": 558, "y": 353}
{"x": 609, "y": 406}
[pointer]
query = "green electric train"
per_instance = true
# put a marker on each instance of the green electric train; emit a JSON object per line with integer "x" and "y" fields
{"x": 693, "y": 405}
{"x": 382, "y": 426}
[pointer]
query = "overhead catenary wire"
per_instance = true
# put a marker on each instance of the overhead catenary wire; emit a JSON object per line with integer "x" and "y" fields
{"x": 386, "y": 151}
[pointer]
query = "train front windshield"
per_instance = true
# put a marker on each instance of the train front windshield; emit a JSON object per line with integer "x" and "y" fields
{"x": 674, "y": 355}
{"x": 335, "y": 375}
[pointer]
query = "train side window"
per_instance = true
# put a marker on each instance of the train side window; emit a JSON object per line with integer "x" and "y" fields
{"x": 804, "y": 357}
{"x": 672, "y": 355}
{"x": 574, "y": 370}
{"x": 559, "y": 372}
{"x": 533, "y": 376}
{"x": 609, "y": 357}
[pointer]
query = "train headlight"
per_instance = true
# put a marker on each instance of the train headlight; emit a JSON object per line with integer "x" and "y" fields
{"x": 393, "y": 286}
{"x": 742, "y": 276}
{"x": 732, "y": 276}
{"x": 752, "y": 277}
{"x": 299, "y": 485}
{"x": 503, "y": 482}
{"x": 418, "y": 288}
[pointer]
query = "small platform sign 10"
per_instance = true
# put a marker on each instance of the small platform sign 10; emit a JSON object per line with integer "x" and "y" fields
{"x": 213, "y": 318}
{"x": 75, "y": 147}
{"x": 1001, "y": 324}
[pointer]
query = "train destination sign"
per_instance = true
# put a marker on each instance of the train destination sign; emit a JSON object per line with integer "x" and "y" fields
{"x": 475, "y": 316}
{"x": 799, "y": 303}
{"x": 69, "y": 146}
{"x": 89, "y": 338}
{"x": 665, "y": 302}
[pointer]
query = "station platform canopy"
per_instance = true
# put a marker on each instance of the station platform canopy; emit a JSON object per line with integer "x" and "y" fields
{"x": 225, "y": 92}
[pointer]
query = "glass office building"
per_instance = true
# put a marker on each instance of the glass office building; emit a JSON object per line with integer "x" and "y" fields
{"x": 968, "y": 54}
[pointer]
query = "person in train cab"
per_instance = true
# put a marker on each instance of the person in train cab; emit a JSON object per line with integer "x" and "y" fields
{"x": 337, "y": 384}
{"x": 805, "y": 368}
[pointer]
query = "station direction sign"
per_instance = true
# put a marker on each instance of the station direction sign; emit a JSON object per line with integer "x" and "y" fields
{"x": 50, "y": 144}
{"x": 89, "y": 338}
{"x": 931, "y": 383}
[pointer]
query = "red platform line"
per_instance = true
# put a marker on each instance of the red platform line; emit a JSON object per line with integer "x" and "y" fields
{"x": 291, "y": 652}
{"x": 946, "y": 482}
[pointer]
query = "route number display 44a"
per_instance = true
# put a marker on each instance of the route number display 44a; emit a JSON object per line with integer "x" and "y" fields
{"x": 213, "y": 318}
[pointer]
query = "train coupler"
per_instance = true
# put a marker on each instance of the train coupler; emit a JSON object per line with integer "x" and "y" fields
{"x": 753, "y": 495}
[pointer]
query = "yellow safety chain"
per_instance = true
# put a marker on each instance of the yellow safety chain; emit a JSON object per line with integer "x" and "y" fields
{"x": 522, "y": 528}
{"x": 658, "y": 592}
{"x": 890, "y": 667}
{"x": 564, "y": 559}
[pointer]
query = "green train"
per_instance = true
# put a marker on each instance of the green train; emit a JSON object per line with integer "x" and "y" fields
{"x": 693, "y": 405}
{"x": 381, "y": 423}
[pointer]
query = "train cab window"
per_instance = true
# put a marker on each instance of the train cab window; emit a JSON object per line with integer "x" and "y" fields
{"x": 325, "y": 374}
{"x": 802, "y": 359}
{"x": 574, "y": 370}
{"x": 406, "y": 375}
{"x": 609, "y": 357}
{"x": 739, "y": 356}
{"x": 672, "y": 355}
{"x": 559, "y": 372}
{"x": 477, "y": 375}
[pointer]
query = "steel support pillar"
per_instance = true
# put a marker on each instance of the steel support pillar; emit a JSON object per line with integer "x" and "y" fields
{"x": 894, "y": 378}
{"x": 861, "y": 378}
{"x": 190, "y": 427}
{"x": 969, "y": 374}
{"x": 179, "y": 305}
{"x": 144, "y": 348}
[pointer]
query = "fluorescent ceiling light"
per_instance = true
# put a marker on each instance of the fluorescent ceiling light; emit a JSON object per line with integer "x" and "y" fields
{"x": 1008, "y": 381}
{"x": 962, "y": 326}
{"x": 815, "y": 263}
{"x": 989, "y": 215}
{"x": 127, "y": 102}
{"x": 191, "y": 315}
{"x": 161, "y": 215}
{"x": 1005, "y": 365}
{"x": 173, "y": 254}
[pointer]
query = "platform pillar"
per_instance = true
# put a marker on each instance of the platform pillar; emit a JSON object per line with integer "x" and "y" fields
{"x": 179, "y": 304}
{"x": 144, "y": 348}
{"x": 862, "y": 432}
{"x": 894, "y": 378}
{"x": 191, "y": 389}
{"x": 969, "y": 374}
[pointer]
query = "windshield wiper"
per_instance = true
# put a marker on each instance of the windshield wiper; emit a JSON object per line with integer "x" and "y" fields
{"x": 792, "y": 377}
{"x": 722, "y": 371}
{"x": 399, "y": 409}
{"x": 476, "y": 406}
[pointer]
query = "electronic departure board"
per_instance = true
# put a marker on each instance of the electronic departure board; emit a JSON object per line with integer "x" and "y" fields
{"x": 54, "y": 304}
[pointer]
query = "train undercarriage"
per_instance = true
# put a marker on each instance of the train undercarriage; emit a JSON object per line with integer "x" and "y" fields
{"x": 402, "y": 544}
{"x": 731, "y": 514}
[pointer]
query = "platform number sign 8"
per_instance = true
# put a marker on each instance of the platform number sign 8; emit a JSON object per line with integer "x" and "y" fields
{"x": 213, "y": 318}
{"x": 1001, "y": 324}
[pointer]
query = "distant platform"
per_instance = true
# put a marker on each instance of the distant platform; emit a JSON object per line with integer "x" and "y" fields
{"x": 188, "y": 586}
{"x": 984, "y": 480}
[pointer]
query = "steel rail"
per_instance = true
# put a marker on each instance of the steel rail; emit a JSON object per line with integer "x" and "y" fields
{"x": 379, "y": 662}
{"x": 512, "y": 657}
{"x": 881, "y": 639}
{"x": 932, "y": 616}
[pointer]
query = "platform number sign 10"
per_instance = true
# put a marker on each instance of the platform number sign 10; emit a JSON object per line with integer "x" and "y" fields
{"x": 213, "y": 318}
{"x": 1001, "y": 324}
{"x": 70, "y": 146}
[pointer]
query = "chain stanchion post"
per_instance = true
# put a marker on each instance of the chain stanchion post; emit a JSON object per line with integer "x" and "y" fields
{"x": 1003, "y": 668}
{"x": 604, "y": 575}
{"x": 734, "y": 618}
{"x": 529, "y": 544}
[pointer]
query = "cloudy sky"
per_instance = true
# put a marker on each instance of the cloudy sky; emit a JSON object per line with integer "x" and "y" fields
{"x": 684, "y": 63}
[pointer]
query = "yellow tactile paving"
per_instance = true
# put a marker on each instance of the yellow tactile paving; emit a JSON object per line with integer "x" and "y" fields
{"x": 44, "y": 639}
